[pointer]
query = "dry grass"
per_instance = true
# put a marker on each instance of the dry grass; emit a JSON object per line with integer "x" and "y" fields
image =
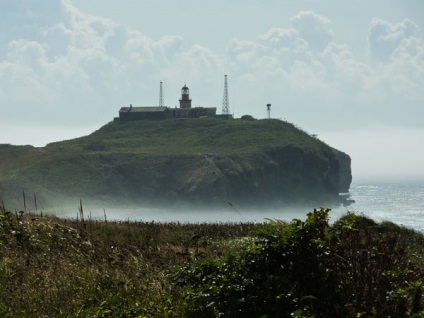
{"x": 51, "y": 267}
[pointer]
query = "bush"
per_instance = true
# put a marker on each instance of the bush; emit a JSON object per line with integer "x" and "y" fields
{"x": 308, "y": 269}
{"x": 247, "y": 117}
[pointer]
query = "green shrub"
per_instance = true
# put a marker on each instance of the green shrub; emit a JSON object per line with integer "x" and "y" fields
{"x": 247, "y": 117}
{"x": 308, "y": 269}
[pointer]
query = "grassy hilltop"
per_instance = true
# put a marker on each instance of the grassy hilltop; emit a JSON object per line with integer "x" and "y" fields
{"x": 192, "y": 136}
{"x": 194, "y": 160}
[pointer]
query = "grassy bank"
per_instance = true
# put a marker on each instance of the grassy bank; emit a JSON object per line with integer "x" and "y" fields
{"x": 51, "y": 267}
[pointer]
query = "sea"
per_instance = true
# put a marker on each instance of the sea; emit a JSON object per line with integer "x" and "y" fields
{"x": 399, "y": 202}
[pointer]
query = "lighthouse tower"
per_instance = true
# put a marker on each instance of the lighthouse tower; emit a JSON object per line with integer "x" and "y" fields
{"x": 185, "y": 101}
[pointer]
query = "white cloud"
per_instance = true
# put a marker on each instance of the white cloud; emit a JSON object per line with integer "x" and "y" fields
{"x": 144, "y": 50}
{"x": 408, "y": 63}
{"x": 314, "y": 28}
{"x": 327, "y": 81}
{"x": 88, "y": 31}
{"x": 385, "y": 37}
{"x": 311, "y": 79}
{"x": 396, "y": 87}
{"x": 342, "y": 66}
{"x": 55, "y": 71}
{"x": 280, "y": 37}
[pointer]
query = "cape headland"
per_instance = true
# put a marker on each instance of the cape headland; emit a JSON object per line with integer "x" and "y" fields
{"x": 176, "y": 161}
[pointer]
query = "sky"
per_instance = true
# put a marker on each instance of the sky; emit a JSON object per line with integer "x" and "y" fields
{"x": 350, "y": 72}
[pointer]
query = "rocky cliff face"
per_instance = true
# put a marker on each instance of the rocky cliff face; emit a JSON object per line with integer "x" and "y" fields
{"x": 345, "y": 170}
{"x": 277, "y": 175}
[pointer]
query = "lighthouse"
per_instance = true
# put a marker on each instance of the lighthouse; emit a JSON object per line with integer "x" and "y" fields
{"x": 185, "y": 101}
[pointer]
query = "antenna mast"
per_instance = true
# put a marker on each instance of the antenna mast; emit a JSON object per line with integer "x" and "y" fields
{"x": 161, "y": 102}
{"x": 268, "y": 108}
{"x": 225, "y": 102}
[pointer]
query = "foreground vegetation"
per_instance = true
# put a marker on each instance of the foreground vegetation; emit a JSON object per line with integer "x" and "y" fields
{"x": 52, "y": 267}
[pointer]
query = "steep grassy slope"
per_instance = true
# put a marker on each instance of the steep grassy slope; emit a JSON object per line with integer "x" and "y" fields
{"x": 170, "y": 161}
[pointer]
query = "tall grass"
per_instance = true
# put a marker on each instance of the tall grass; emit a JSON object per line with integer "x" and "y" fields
{"x": 51, "y": 267}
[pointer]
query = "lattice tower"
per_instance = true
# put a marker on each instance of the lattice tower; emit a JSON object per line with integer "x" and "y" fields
{"x": 268, "y": 108}
{"x": 161, "y": 102}
{"x": 225, "y": 101}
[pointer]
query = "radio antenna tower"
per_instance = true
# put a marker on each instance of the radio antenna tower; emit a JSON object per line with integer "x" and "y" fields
{"x": 161, "y": 102}
{"x": 268, "y": 109}
{"x": 225, "y": 102}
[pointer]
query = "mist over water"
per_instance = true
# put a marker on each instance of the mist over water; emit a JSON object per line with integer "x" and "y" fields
{"x": 398, "y": 202}
{"x": 189, "y": 215}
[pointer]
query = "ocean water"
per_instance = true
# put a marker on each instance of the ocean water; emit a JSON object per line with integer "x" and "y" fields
{"x": 398, "y": 202}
